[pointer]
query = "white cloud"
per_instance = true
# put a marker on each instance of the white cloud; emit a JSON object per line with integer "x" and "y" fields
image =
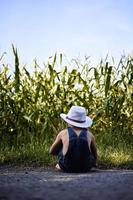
{"x": 124, "y": 28}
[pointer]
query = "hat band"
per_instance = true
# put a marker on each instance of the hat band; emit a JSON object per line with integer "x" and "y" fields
{"x": 75, "y": 120}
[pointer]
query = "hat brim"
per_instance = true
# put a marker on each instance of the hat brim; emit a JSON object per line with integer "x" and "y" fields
{"x": 88, "y": 122}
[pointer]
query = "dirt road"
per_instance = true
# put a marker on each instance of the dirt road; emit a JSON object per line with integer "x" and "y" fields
{"x": 39, "y": 184}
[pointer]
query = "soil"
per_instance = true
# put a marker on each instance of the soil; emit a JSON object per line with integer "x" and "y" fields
{"x": 49, "y": 184}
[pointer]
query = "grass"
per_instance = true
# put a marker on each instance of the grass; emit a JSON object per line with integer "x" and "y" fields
{"x": 32, "y": 154}
{"x": 112, "y": 153}
{"x": 112, "y": 157}
{"x": 115, "y": 151}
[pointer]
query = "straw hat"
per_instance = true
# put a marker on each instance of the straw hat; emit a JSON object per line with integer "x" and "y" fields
{"x": 77, "y": 117}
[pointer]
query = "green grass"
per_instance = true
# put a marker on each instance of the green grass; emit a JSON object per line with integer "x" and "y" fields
{"x": 118, "y": 157}
{"x": 113, "y": 152}
{"x": 32, "y": 154}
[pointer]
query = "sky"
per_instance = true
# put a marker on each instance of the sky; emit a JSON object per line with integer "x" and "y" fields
{"x": 76, "y": 28}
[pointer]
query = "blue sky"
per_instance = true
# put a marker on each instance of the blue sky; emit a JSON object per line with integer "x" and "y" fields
{"x": 39, "y": 28}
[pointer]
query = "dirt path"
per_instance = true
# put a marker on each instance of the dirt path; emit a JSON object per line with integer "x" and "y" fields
{"x": 39, "y": 184}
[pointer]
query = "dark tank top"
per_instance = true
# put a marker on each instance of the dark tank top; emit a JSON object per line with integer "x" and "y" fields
{"x": 77, "y": 158}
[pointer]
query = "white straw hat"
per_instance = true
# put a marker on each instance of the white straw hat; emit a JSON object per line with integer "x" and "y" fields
{"x": 77, "y": 117}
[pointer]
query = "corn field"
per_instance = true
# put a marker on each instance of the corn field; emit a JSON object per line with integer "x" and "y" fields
{"x": 30, "y": 103}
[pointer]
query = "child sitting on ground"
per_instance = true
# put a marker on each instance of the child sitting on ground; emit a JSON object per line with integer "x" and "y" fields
{"x": 75, "y": 146}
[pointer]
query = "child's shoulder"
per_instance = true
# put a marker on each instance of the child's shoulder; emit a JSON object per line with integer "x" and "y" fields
{"x": 63, "y": 132}
{"x": 90, "y": 134}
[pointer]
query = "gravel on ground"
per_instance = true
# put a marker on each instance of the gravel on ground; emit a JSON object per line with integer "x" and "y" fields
{"x": 50, "y": 184}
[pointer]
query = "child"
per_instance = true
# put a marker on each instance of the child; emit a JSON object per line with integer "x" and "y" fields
{"x": 75, "y": 146}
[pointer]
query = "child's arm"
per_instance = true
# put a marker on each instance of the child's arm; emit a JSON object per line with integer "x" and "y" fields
{"x": 93, "y": 147}
{"x": 56, "y": 146}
